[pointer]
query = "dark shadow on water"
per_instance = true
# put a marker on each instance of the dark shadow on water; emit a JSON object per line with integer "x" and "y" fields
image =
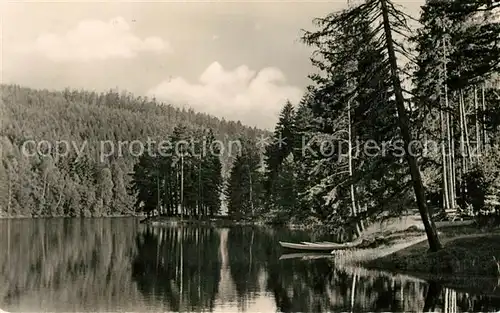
{"x": 178, "y": 266}
{"x": 88, "y": 265}
{"x": 434, "y": 290}
{"x": 249, "y": 267}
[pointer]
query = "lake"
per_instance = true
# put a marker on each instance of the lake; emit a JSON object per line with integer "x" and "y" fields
{"x": 116, "y": 265}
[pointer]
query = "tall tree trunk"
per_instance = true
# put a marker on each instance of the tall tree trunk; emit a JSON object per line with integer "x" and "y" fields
{"x": 200, "y": 199}
{"x": 171, "y": 194}
{"x": 478, "y": 132}
{"x": 446, "y": 192}
{"x": 464, "y": 144}
{"x": 418, "y": 186}
{"x": 251, "y": 190}
{"x": 466, "y": 130}
{"x": 483, "y": 105}
{"x": 166, "y": 191}
{"x": 453, "y": 168}
{"x": 182, "y": 187}
{"x": 158, "y": 206}
{"x": 462, "y": 133}
{"x": 449, "y": 133}
{"x": 175, "y": 190}
{"x": 444, "y": 139}
{"x": 353, "y": 196}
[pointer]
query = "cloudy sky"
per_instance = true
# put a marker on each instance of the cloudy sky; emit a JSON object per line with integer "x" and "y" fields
{"x": 238, "y": 60}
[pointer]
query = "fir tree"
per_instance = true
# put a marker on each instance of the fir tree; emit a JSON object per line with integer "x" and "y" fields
{"x": 245, "y": 183}
{"x": 375, "y": 22}
{"x": 284, "y": 140}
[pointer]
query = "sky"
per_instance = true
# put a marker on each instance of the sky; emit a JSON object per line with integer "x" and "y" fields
{"x": 237, "y": 60}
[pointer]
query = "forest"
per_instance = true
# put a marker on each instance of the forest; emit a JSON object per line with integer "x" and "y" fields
{"x": 376, "y": 79}
{"x": 380, "y": 80}
{"x": 46, "y": 182}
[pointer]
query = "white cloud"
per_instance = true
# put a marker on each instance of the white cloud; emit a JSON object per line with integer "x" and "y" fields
{"x": 254, "y": 98}
{"x": 95, "y": 40}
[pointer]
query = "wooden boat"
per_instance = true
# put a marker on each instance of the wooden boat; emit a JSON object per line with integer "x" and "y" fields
{"x": 309, "y": 246}
{"x": 302, "y": 246}
{"x": 319, "y": 243}
{"x": 308, "y": 243}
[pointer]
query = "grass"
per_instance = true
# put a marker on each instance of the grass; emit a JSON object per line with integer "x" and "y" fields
{"x": 466, "y": 251}
{"x": 465, "y": 263}
{"x": 377, "y": 249}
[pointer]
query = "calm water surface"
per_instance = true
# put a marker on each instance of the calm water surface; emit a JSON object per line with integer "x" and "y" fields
{"x": 117, "y": 265}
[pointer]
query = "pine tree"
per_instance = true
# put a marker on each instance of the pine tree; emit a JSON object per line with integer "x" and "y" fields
{"x": 105, "y": 182}
{"x": 245, "y": 183}
{"x": 348, "y": 103}
{"x": 121, "y": 199}
{"x": 375, "y": 21}
{"x": 447, "y": 81}
{"x": 283, "y": 202}
{"x": 284, "y": 142}
{"x": 144, "y": 184}
{"x": 211, "y": 182}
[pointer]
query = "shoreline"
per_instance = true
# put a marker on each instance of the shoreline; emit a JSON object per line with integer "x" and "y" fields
{"x": 164, "y": 221}
{"x": 473, "y": 272}
{"x": 215, "y": 221}
{"x": 226, "y": 221}
{"x": 19, "y": 217}
{"x": 472, "y": 284}
{"x": 466, "y": 252}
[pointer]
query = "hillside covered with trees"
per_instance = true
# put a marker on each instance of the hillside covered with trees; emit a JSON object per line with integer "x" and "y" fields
{"x": 42, "y": 182}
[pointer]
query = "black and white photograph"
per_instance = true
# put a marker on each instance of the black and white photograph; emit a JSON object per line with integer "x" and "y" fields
{"x": 249, "y": 156}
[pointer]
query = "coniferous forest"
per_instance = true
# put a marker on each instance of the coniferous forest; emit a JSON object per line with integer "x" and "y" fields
{"x": 43, "y": 182}
{"x": 344, "y": 154}
{"x": 396, "y": 118}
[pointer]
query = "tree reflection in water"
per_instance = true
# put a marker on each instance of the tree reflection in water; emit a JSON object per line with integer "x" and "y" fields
{"x": 245, "y": 257}
{"x": 67, "y": 264}
{"x": 76, "y": 265}
{"x": 178, "y": 266}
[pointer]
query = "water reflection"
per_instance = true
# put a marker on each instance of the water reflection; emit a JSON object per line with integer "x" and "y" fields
{"x": 118, "y": 265}
{"x": 66, "y": 265}
{"x": 179, "y": 267}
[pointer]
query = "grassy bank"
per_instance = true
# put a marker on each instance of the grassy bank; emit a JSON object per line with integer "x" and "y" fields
{"x": 467, "y": 251}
